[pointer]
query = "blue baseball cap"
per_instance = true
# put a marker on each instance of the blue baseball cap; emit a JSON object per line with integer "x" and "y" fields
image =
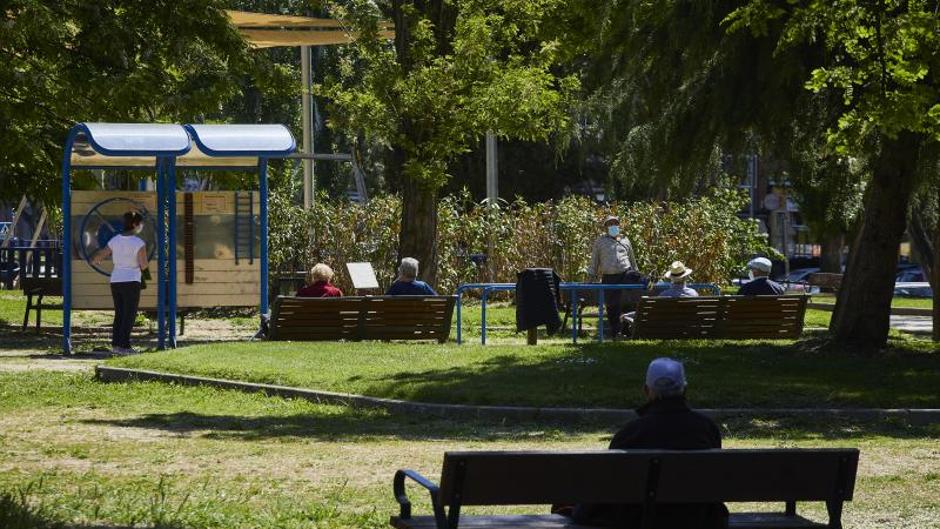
{"x": 665, "y": 375}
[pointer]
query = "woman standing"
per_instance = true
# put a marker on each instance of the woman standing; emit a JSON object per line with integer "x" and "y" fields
{"x": 129, "y": 254}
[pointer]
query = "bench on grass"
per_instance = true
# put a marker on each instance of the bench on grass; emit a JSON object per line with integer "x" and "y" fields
{"x": 40, "y": 287}
{"x": 647, "y": 478}
{"x": 362, "y": 318}
{"x": 720, "y": 317}
{"x": 826, "y": 281}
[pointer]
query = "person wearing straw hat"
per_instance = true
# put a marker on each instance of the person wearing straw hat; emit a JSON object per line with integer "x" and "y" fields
{"x": 678, "y": 275}
{"x": 613, "y": 261}
{"x": 760, "y": 283}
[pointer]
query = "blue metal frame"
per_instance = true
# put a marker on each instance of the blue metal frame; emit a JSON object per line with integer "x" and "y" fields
{"x": 169, "y": 191}
{"x": 573, "y": 287}
{"x": 165, "y": 277}
{"x": 161, "y": 253}
{"x": 263, "y": 192}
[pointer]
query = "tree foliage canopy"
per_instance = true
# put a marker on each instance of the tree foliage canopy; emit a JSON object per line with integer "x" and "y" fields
{"x": 486, "y": 68}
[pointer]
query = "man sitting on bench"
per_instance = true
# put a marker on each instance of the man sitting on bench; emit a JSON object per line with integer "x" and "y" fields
{"x": 407, "y": 283}
{"x": 760, "y": 283}
{"x": 665, "y": 422}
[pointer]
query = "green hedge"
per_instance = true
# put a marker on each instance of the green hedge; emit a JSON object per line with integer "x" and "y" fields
{"x": 705, "y": 232}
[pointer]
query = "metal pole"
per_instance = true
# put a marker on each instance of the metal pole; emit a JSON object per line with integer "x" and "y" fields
{"x": 170, "y": 190}
{"x": 161, "y": 255}
{"x": 67, "y": 243}
{"x": 492, "y": 168}
{"x": 263, "y": 192}
{"x": 307, "y": 109}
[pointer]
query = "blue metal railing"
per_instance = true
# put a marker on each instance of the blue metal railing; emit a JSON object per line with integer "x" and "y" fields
{"x": 572, "y": 287}
{"x": 42, "y": 261}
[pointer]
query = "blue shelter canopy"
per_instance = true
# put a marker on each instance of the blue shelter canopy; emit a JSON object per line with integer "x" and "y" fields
{"x": 163, "y": 147}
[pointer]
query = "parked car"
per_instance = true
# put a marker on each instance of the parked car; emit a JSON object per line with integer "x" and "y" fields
{"x": 918, "y": 289}
{"x": 911, "y": 275}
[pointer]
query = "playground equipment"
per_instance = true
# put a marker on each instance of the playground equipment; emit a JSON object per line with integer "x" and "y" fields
{"x": 220, "y": 236}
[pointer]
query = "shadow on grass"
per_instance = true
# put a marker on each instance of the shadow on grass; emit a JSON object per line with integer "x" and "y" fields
{"x": 771, "y": 374}
{"x": 362, "y": 425}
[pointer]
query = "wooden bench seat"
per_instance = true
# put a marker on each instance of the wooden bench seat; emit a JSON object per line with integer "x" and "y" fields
{"x": 362, "y": 318}
{"x": 39, "y": 288}
{"x": 720, "y": 317}
{"x": 650, "y": 479}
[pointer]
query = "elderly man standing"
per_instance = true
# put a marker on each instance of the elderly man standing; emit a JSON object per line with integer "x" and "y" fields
{"x": 613, "y": 261}
{"x": 760, "y": 283}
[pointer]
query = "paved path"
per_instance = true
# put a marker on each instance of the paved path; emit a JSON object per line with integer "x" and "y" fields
{"x": 913, "y": 324}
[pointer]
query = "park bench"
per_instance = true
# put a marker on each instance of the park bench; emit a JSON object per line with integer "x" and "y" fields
{"x": 362, "y": 318}
{"x": 827, "y": 282}
{"x": 647, "y": 478}
{"x": 39, "y": 288}
{"x": 720, "y": 317}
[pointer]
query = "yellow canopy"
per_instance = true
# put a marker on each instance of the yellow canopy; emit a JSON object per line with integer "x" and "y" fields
{"x": 265, "y": 31}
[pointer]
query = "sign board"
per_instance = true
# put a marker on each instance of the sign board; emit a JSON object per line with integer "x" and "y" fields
{"x": 6, "y": 228}
{"x": 362, "y": 276}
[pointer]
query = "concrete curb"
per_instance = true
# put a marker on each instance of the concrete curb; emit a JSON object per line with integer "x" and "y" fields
{"x": 518, "y": 413}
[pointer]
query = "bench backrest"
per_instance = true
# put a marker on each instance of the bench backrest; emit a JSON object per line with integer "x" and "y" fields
{"x": 362, "y": 318}
{"x": 736, "y": 317}
{"x": 619, "y": 476}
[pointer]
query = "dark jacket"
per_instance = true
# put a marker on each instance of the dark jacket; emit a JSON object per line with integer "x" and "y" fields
{"x": 537, "y": 291}
{"x": 667, "y": 424}
{"x": 761, "y": 286}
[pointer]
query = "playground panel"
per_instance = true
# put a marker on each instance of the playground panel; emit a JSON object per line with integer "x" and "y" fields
{"x": 223, "y": 251}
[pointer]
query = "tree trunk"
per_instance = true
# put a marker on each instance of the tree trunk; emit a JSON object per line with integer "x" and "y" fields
{"x": 863, "y": 310}
{"x": 418, "y": 235}
{"x": 831, "y": 255}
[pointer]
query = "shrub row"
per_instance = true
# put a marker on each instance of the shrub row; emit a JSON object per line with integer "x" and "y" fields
{"x": 705, "y": 232}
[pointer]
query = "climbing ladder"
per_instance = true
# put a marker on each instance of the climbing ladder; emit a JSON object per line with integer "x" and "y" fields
{"x": 244, "y": 226}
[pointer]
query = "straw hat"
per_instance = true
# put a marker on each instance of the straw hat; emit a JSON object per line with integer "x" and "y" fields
{"x": 677, "y": 270}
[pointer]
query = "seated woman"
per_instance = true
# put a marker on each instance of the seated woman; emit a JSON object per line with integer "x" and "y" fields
{"x": 318, "y": 283}
{"x": 678, "y": 275}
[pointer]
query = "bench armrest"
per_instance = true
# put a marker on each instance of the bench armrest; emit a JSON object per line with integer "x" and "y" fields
{"x": 398, "y": 488}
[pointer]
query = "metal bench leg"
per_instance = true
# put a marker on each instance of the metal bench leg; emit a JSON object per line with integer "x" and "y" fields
{"x": 29, "y": 306}
{"x": 39, "y": 314}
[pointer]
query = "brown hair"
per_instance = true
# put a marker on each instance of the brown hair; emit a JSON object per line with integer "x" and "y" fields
{"x": 131, "y": 220}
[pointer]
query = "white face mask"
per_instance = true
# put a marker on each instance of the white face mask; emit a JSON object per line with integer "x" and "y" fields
{"x": 750, "y": 274}
{"x": 138, "y": 229}
{"x": 613, "y": 231}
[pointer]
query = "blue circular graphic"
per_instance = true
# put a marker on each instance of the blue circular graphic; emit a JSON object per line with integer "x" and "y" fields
{"x": 97, "y": 228}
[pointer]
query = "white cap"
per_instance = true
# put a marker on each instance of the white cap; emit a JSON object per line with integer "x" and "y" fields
{"x": 760, "y": 263}
{"x": 665, "y": 376}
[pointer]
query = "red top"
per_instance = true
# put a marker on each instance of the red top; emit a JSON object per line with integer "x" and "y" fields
{"x": 320, "y": 289}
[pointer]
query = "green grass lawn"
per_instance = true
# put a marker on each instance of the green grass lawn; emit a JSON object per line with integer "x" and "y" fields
{"x": 721, "y": 374}
{"x": 77, "y": 453}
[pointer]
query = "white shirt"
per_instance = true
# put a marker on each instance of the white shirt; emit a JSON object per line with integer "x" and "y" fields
{"x": 124, "y": 250}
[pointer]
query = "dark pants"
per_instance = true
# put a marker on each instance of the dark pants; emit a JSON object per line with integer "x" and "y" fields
{"x": 613, "y": 302}
{"x": 613, "y": 298}
{"x": 126, "y": 298}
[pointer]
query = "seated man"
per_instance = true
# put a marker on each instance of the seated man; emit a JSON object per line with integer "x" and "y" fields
{"x": 665, "y": 422}
{"x": 678, "y": 274}
{"x": 318, "y": 283}
{"x": 760, "y": 284}
{"x": 407, "y": 283}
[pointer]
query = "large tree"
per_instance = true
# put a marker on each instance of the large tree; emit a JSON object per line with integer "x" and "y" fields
{"x": 882, "y": 59}
{"x": 455, "y": 69}
{"x": 693, "y": 75}
{"x": 121, "y": 60}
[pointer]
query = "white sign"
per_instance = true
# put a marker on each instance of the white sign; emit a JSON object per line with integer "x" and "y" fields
{"x": 362, "y": 275}
{"x": 5, "y": 230}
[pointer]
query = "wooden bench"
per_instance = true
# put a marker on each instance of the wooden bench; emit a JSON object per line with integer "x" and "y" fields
{"x": 362, "y": 318}
{"x": 720, "y": 317}
{"x": 826, "y": 281}
{"x": 647, "y": 478}
{"x": 39, "y": 287}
